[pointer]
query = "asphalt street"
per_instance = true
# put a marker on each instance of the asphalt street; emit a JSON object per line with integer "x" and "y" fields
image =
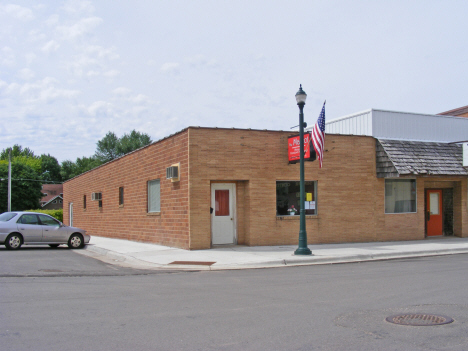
{"x": 91, "y": 305}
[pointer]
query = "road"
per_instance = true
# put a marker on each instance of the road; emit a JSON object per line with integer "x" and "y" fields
{"x": 59, "y": 300}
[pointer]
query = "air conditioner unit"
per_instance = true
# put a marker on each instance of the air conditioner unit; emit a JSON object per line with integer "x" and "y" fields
{"x": 96, "y": 196}
{"x": 172, "y": 173}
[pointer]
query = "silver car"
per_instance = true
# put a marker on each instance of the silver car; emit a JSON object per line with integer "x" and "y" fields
{"x": 30, "y": 228}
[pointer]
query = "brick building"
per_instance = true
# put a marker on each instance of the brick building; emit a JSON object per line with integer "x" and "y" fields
{"x": 236, "y": 186}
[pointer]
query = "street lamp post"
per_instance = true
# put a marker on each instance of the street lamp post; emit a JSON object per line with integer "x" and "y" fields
{"x": 301, "y": 97}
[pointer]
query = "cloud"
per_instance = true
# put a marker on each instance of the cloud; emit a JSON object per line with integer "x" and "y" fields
{"x": 42, "y": 91}
{"x": 26, "y": 74}
{"x": 121, "y": 91}
{"x": 170, "y": 67}
{"x": 101, "y": 108}
{"x": 52, "y": 20}
{"x": 30, "y": 57}
{"x": 50, "y": 46}
{"x": 18, "y": 12}
{"x": 80, "y": 28}
{"x": 201, "y": 61}
{"x": 111, "y": 73}
{"x": 36, "y": 35}
{"x": 77, "y": 6}
{"x": 7, "y": 56}
{"x": 94, "y": 61}
{"x": 139, "y": 99}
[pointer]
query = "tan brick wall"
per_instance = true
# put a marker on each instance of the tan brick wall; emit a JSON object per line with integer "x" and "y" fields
{"x": 257, "y": 159}
{"x": 350, "y": 199}
{"x": 131, "y": 221}
{"x": 351, "y": 205}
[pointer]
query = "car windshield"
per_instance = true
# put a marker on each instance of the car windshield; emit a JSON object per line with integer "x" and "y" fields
{"x": 5, "y": 217}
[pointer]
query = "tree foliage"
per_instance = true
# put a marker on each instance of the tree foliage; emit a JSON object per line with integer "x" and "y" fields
{"x": 25, "y": 187}
{"x": 133, "y": 141}
{"x": 106, "y": 149}
{"x": 16, "y": 150}
{"x": 50, "y": 169}
{"x": 111, "y": 147}
{"x": 70, "y": 169}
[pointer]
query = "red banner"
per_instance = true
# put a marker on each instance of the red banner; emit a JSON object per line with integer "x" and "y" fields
{"x": 294, "y": 153}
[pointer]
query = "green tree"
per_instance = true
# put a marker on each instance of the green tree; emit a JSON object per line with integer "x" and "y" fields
{"x": 70, "y": 169}
{"x": 107, "y": 148}
{"x": 16, "y": 150}
{"x": 130, "y": 142}
{"x": 25, "y": 187}
{"x": 111, "y": 147}
{"x": 33, "y": 162}
{"x": 50, "y": 169}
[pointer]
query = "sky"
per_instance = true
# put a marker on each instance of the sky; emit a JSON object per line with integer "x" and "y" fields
{"x": 71, "y": 71}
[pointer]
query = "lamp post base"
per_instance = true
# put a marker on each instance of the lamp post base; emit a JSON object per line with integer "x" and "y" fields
{"x": 303, "y": 251}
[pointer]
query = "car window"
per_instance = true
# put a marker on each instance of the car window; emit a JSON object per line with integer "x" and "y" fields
{"x": 5, "y": 217}
{"x": 45, "y": 220}
{"x": 29, "y": 219}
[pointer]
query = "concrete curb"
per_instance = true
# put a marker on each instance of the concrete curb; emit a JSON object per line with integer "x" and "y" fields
{"x": 295, "y": 261}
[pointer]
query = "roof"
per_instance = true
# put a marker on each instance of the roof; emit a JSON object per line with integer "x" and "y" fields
{"x": 52, "y": 190}
{"x": 52, "y": 199}
{"x": 461, "y": 111}
{"x": 396, "y": 158}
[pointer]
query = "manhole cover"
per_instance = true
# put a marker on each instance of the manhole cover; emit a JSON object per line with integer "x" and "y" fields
{"x": 419, "y": 319}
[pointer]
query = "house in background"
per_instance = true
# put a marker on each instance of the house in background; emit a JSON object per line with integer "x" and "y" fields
{"x": 53, "y": 196}
{"x": 458, "y": 112}
{"x": 386, "y": 176}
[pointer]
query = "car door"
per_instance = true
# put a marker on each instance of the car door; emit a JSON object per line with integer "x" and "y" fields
{"x": 29, "y": 226}
{"x": 52, "y": 231}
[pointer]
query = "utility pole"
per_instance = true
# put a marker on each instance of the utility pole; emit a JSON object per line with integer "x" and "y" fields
{"x": 9, "y": 180}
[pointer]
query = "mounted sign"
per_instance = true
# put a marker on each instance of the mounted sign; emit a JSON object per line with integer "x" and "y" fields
{"x": 294, "y": 154}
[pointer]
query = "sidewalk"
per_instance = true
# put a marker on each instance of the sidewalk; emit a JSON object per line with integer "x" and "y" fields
{"x": 151, "y": 256}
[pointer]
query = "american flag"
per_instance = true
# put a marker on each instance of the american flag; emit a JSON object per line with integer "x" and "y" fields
{"x": 318, "y": 135}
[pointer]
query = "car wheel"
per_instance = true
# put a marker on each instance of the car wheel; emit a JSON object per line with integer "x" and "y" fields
{"x": 13, "y": 242}
{"x": 76, "y": 241}
{"x": 54, "y": 245}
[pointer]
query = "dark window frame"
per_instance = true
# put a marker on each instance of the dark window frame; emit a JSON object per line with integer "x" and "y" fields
{"x": 121, "y": 196}
{"x": 288, "y": 195}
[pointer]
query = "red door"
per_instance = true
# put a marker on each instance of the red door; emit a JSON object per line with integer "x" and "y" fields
{"x": 434, "y": 212}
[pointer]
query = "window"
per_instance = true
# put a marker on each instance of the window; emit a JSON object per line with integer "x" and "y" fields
{"x": 400, "y": 195}
{"x": 45, "y": 220}
{"x": 154, "y": 196}
{"x": 288, "y": 198}
{"x": 6, "y": 216}
{"x": 121, "y": 196}
{"x": 84, "y": 202}
{"x": 28, "y": 219}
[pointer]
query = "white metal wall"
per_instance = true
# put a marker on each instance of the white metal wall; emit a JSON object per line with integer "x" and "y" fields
{"x": 356, "y": 124}
{"x": 401, "y": 126}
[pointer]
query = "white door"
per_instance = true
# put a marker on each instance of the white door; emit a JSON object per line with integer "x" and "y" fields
{"x": 71, "y": 214}
{"x": 223, "y": 220}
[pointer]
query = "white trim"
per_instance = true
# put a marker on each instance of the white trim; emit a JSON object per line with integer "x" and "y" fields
{"x": 58, "y": 196}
